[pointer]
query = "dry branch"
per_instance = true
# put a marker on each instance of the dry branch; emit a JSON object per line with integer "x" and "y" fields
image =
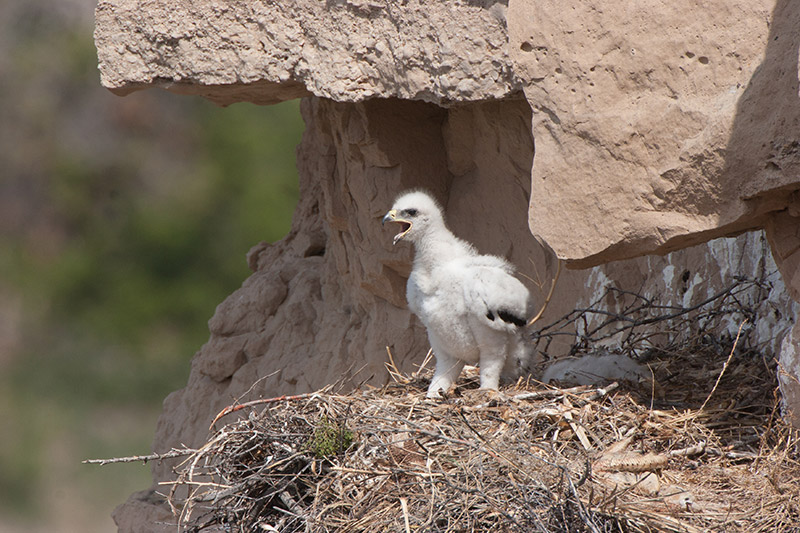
{"x": 183, "y": 452}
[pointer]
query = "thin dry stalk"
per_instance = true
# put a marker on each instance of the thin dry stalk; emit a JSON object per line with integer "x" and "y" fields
{"x": 724, "y": 366}
{"x": 181, "y": 452}
{"x": 538, "y": 315}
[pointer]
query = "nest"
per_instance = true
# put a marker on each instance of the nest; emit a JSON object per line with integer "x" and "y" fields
{"x": 699, "y": 447}
{"x": 528, "y": 459}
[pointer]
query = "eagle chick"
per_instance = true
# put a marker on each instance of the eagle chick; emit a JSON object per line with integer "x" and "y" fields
{"x": 472, "y": 306}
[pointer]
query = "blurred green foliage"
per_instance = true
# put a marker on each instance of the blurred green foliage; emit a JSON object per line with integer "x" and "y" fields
{"x": 118, "y": 303}
{"x": 144, "y": 265}
{"x": 123, "y": 223}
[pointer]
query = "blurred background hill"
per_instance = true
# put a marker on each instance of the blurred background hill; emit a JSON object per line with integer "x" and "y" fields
{"x": 123, "y": 223}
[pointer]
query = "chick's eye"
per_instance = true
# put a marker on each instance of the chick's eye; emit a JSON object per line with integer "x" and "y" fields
{"x": 411, "y": 212}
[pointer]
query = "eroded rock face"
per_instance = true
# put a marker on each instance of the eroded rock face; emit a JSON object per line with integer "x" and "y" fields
{"x": 671, "y": 122}
{"x": 783, "y": 232}
{"x": 266, "y": 52}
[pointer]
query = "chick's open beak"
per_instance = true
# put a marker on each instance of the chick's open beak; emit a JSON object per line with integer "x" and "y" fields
{"x": 389, "y": 217}
{"x": 405, "y": 225}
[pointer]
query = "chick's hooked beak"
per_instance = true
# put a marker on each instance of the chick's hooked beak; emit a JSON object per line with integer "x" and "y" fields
{"x": 405, "y": 225}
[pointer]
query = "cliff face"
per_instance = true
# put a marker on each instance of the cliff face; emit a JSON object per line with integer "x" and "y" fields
{"x": 672, "y": 125}
{"x": 272, "y": 51}
{"x": 656, "y": 129}
{"x": 682, "y": 124}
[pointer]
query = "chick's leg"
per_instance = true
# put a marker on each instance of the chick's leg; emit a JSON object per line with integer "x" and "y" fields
{"x": 491, "y": 367}
{"x": 447, "y": 370}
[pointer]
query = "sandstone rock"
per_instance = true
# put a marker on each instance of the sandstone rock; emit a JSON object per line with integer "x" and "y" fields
{"x": 266, "y": 52}
{"x": 783, "y": 231}
{"x": 670, "y": 122}
{"x": 671, "y": 125}
{"x": 788, "y": 372}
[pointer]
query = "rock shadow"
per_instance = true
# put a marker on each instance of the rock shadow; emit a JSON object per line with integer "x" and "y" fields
{"x": 762, "y": 158}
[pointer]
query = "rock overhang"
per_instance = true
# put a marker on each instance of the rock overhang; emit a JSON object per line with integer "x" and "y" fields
{"x": 657, "y": 126}
{"x": 347, "y": 51}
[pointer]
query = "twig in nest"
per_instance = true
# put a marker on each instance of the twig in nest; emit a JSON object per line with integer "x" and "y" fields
{"x": 391, "y": 367}
{"x": 233, "y": 408}
{"x": 727, "y": 361}
{"x": 697, "y": 449}
{"x": 143, "y": 458}
{"x": 633, "y": 321}
{"x": 548, "y": 393}
{"x": 404, "y": 505}
{"x": 631, "y": 462}
{"x": 428, "y": 357}
{"x": 600, "y": 392}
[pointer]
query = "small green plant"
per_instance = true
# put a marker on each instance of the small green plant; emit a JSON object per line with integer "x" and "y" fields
{"x": 330, "y": 438}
